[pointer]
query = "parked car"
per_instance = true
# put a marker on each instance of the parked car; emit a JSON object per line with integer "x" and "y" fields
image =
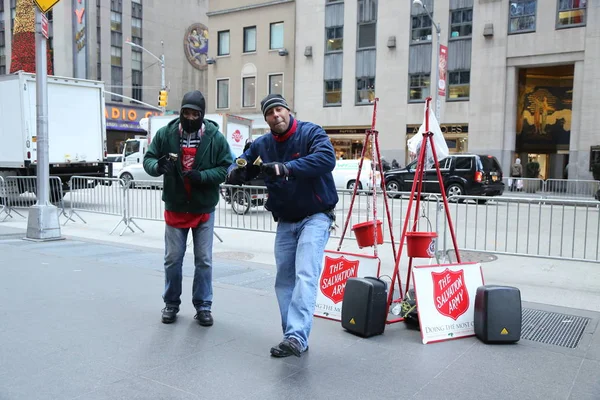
{"x": 135, "y": 172}
{"x": 345, "y": 171}
{"x": 463, "y": 174}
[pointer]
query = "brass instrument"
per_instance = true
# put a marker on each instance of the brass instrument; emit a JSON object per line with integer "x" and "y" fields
{"x": 241, "y": 163}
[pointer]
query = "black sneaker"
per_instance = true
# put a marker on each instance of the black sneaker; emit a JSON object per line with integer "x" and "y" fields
{"x": 204, "y": 318}
{"x": 288, "y": 347}
{"x": 169, "y": 314}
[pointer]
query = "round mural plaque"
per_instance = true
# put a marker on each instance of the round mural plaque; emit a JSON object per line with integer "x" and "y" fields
{"x": 195, "y": 45}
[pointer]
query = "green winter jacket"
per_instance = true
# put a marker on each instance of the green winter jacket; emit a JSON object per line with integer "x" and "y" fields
{"x": 212, "y": 159}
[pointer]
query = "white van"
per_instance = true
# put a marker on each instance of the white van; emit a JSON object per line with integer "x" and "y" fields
{"x": 345, "y": 171}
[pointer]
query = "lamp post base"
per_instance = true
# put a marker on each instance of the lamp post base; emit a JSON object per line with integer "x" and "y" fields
{"x": 43, "y": 224}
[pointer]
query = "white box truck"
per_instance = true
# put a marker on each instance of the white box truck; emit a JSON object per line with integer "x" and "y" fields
{"x": 76, "y": 127}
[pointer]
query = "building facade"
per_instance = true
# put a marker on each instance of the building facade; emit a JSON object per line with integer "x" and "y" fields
{"x": 89, "y": 39}
{"x": 253, "y": 56}
{"x": 520, "y": 76}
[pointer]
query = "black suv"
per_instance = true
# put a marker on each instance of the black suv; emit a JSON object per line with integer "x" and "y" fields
{"x": 463, "y": 174}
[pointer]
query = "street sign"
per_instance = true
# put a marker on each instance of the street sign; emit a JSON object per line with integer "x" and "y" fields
{"x": 45, "y": 26}
{"x": 46, "y": 5}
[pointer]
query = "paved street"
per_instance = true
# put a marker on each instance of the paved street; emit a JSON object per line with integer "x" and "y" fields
{"x": 81, "y": 320}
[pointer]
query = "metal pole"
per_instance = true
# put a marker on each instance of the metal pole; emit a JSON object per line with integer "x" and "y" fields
{"x": 437, "y": 75}
{"x": 42, "y": 221}
{"x": 43, "y": 168}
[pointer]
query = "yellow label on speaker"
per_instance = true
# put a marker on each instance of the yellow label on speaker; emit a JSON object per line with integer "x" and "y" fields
{"x": 352, "y": 321}
{"x": 504, "y": 331}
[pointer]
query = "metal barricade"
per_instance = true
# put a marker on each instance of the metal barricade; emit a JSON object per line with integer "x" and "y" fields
{"x": 20, "y": 192}
{"x": 96, "y": 195}
{"x": 516, "y": 186}
{"x": 549, "y": 228}
{"x": 242, "y": 207}
{"x": 4, "y": 200}
{"x": 571, "y": 188}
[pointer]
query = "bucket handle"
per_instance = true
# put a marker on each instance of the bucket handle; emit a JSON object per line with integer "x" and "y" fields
{"x": 428, "y": 223}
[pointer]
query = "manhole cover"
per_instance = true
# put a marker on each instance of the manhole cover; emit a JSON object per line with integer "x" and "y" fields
{"x": 473, "y": 256}
{"x": 234, "y": 255}
{"x": 553, "y": 328}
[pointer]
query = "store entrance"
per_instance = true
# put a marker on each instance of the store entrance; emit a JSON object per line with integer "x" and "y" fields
{"x": 543, "y": 129}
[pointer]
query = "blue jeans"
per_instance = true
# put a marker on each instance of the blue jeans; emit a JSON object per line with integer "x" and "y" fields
{"x": 299, "y": 249}
{"x": 175, "y": 245}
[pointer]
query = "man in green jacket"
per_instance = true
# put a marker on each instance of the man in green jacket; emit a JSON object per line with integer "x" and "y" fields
{"x": 193, "y": 156}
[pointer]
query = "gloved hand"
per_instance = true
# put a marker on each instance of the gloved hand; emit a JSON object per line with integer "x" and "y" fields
{"x": 194, "y": 176}
{"x": 165, "y": 165}
{"x": 237, "y": 176}
{"x": 275, "y": 170}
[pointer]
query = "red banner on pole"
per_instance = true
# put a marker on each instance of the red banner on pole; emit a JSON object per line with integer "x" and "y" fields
{"x": 44, "y": 25}
{"x": 442, "y": 70}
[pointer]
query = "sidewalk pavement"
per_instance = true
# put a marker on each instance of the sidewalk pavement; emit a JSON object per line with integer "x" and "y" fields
{"x": 562, "y": 283}
{"x": 81, "y": 320}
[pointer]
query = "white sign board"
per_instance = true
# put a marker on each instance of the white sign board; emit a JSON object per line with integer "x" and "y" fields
{"x": 237, "y": 134}
{"x": 445, "y": 297}
{"x": 337, "y": 268}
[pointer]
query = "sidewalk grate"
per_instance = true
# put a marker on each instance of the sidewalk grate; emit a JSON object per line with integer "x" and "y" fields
{"x": 553, "y": 328}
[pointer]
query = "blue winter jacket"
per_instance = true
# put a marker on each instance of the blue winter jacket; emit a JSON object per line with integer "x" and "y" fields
{"x": 310, "y": 158}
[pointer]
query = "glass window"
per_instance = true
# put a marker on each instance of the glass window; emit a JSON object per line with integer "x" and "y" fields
{"x": 367, "y": 35}
{"x": 522, "y": 16}
{"x": 136, "y": 60}
{"x": 459, "y": 83}
{"x": 115, "y": 21}
{"x": 419, "y": 85}
{"x": 116, "y": 80}
{"x": 116, "y": 56}
{"x": 571, "y": 13}
{"x": 461, "y": 23}
{"x": 333, "y": 92}
{"x": 335, "y": 39}
{"x": 249, "y": 92}
{"x": 464, "y": 163}
{"x": 365, "y": 90}
{"x": 222, "y": 93}
{"x": 136, "y": 83}
{"x": 276, "y": 36}
{"x": 421, "y": 28}
{"x": 136, "y": 27}
{"x": 249, "y": 39}
{"x": 276, "y": 84}
{"x": 223, "y": 43}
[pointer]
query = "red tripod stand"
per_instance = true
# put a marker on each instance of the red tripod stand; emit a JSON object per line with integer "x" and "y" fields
{"x": 415, "y": 193}
{"x": 372, "y": 137}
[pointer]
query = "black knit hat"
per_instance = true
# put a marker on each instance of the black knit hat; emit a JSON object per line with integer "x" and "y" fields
{"x": 273, "y": 100}
{"x": 194, "y": 100}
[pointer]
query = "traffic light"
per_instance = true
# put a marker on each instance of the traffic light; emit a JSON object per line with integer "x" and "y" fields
{"x": 162, "y": 98}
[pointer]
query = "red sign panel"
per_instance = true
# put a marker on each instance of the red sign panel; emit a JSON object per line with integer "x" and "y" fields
{"x": 442, "y": 68}
{"x": 335, "y": 275}
{"x": 45, "y": 26}
{"x": 450, "y": 294}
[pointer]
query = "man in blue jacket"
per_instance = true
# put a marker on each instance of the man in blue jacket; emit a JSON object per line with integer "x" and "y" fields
{"x": 297, "y": 159}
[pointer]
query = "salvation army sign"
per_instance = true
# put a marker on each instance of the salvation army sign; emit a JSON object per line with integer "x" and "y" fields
{"x": 445, "y": 297}
{"x": 338, "y": 267}
{"x": 451, "y": 296}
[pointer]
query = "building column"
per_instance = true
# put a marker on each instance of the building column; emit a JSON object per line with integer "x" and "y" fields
{"x": 577, "y": 163}
{"x": 510, "y": 118}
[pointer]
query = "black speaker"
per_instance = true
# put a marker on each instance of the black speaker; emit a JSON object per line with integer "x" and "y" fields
{"x": 364, "y": 305}
{"x": 498, "y": 314}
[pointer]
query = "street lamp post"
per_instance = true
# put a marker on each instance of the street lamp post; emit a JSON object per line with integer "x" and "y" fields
{"x": 160, "y": 59}
{"x": 437, "y": 63}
